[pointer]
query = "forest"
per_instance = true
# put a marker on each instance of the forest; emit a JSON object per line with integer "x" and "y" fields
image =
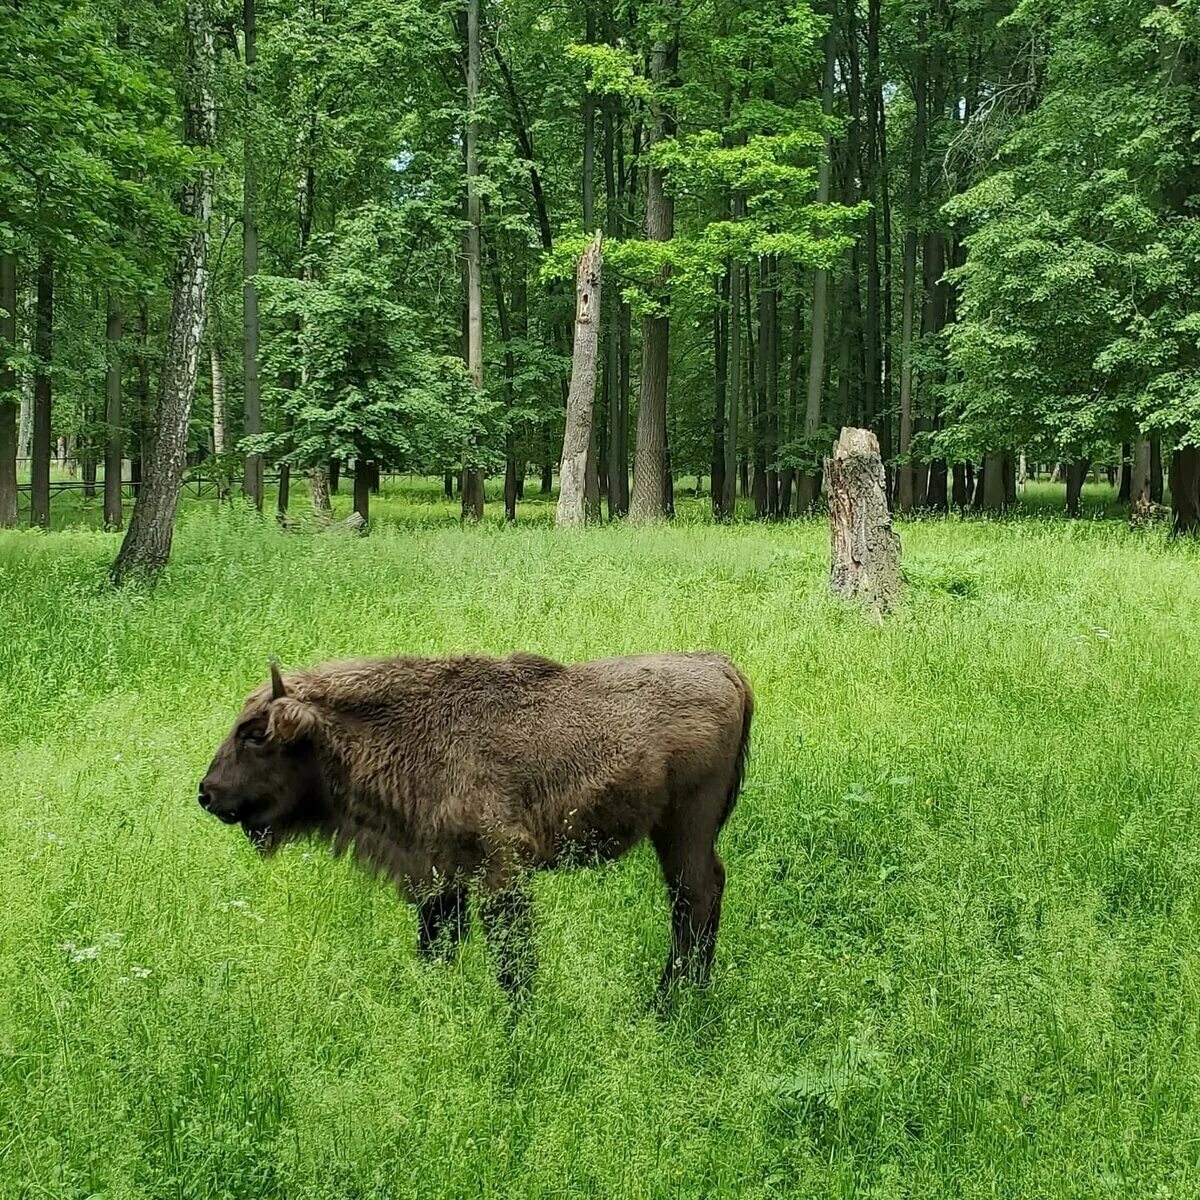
{"x": 301, "y": 240}
{"x": 481, "y": 327}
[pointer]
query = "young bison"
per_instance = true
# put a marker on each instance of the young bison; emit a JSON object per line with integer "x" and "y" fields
{"x": 449, "y": 773}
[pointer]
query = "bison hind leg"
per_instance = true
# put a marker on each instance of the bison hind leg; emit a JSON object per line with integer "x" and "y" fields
{"x": 442, "y": 924}
{"x": 695, "y": 878}
{"x": 507, "y": 915}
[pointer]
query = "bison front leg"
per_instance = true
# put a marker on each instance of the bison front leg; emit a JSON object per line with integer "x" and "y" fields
{"x": 441, "y": 924}
{"x": 507, "y": 915}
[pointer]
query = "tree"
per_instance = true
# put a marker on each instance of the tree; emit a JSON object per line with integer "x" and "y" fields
{"x": 9, "y": 399}
{"x": 649, "y": 467}
{"x": 472, "y": 498}
{"x": 577, "y": 439}
{"x": 252, "y": 401}
{"x": 147, "y": 545}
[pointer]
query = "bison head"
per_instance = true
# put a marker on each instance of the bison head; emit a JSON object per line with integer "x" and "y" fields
{"x": 266, "y": 775}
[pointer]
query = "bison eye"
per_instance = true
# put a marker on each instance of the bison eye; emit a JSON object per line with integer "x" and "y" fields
{"x": 256, "y": 735}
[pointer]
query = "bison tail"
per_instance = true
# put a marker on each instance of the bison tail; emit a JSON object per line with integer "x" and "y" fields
{"x": 743, "y": 750}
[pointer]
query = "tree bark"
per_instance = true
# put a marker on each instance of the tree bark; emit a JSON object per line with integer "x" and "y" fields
{"x": 646, "y": 503}
{"x": 318, "y": 491}
{"x": 252, "y": 485}
{"x": 217, "y": 379}
{"x": 472, "y": 497}
{"x": 362, "y": 488}
{"x": 577, "y": 436}
{"x": 9, "y": 403}
{"x": 961, "y": 492}
{"x": 1124, "y": 474}
{"x": 611, "y": 338}
{"x": 809, "y": 485}
{"x": 872, "y": 332}
{"x": 43, "y": 350}
{"x": 864, "y": 550}
{"x": 995, "y": 490}
{"x": 591, "y": 487}
{"x": 147, "y": 545}
{"x": 1139, "y": 480}
{"x": 906, "y": 497}
{"x": 1185, "y": 490}
{"x": 1076, "y": 473}
{"x": 720, "y": 381}
{"x": 140, "y": 395}
{"x": 114, "y": 440}
{"x": 734, "y": 399}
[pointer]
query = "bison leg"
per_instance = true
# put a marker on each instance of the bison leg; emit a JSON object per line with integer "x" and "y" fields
{"x": 695, "y": 879}
{"x": 441, "y": 924}
{"x": 508, "y": 923}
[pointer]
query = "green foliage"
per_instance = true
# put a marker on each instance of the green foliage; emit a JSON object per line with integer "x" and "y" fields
{"x": 88, "y": 151}
{"x": 371, "y": 384}
{"x": 1080, "y": 279}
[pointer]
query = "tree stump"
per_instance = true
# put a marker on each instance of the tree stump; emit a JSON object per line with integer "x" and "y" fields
{"x": 864, "y": 550}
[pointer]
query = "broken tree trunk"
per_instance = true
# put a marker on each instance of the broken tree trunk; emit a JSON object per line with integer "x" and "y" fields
{"x": 577, "y": 437}
{"x": 864, "y": 550}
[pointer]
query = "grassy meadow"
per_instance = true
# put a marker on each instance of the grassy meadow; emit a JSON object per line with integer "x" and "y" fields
{"x": 960, "y": 955}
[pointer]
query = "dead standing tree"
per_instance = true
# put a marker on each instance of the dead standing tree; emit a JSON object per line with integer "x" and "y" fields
{"x": 864, "y": 550}
{"x": 577, "y": 437}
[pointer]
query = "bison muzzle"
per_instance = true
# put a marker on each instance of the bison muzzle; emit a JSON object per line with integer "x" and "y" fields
{"x": 453, "y": 774}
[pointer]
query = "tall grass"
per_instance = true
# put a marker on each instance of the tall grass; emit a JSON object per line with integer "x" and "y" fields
{"x": 959, "y": 952}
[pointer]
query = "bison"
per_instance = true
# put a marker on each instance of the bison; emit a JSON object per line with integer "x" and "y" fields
{"x": 451, "y": 774}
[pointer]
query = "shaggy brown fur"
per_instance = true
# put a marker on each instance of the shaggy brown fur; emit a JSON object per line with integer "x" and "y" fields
{"x": 450, "y": 773}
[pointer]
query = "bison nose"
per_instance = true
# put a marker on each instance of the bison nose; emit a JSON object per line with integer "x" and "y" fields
{"x": 211, "y": 801}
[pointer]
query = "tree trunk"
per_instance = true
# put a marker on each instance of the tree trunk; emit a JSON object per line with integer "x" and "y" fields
{"x": 720, "y": 380}
{"x": 217, "y": 379}
{"x": 758, "y": 484}
{"x": 140, "y": 395}
{"x": 734, "y": 398}
{"x": 961, "y": 488}
{"x": 472, "y": 496}
{"x": 147, "y": 545}
{"x": 284, "y": 496}
{"x": 1125, "y": 474}
{"x": 906, "y": 497}
{"x": 609, "y": 322}
{"x": 1185, "y": 490}
{"x": 1156, "y": 471}
{"x": 318, "y": 491}
{"x": 252, "y": 485}
{"x": 864, "y": 550}
{"x": 1139, "y": 480}
{"x": 646, "y": 503}
{"x": 995, "y": 492}
{"x": 114, "y": 439}
{"x": 9, "y": 404}
{"x": 810, "y": 484}
{"x": 334, "y": 473}
{"x": 872, "y": 332}
{"x": 43, "y": 350}
{"x": 936, "y": 499}
{"x": 1076, "y": 474}
{"x": 577, "y": 437}
{"x": 362, "y": 488}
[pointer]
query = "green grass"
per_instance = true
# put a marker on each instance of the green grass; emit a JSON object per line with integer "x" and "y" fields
{"x": 959, "y": 954}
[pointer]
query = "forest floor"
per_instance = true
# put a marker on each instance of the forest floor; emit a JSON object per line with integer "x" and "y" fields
{"x": 960, "y": 955}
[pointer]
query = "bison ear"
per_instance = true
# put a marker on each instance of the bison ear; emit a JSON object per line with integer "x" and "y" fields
{"x": 289, "y": 720}
{"x": 278, "y": 691}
